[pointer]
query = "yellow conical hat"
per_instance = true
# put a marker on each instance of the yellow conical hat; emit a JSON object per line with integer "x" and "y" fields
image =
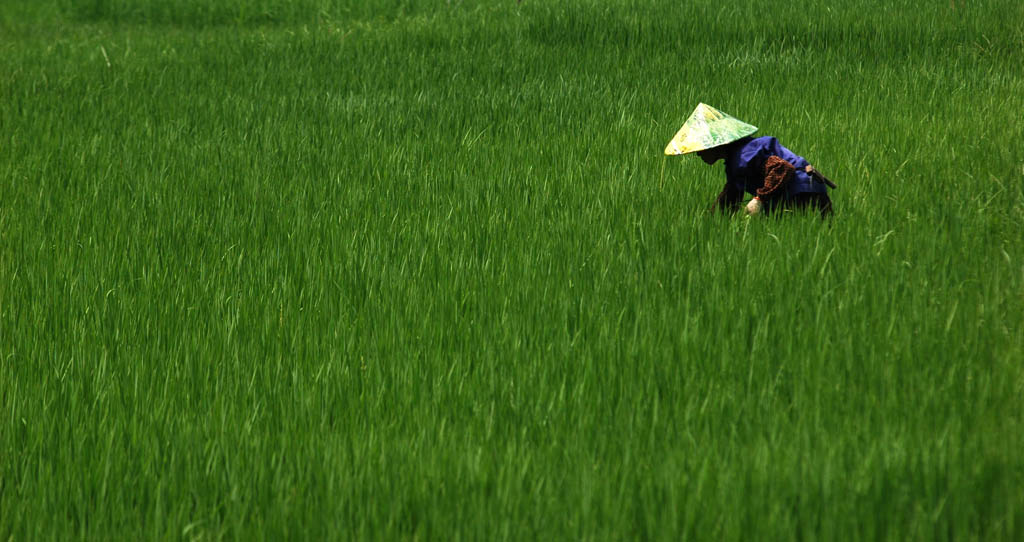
{"x": 707, "y": 127}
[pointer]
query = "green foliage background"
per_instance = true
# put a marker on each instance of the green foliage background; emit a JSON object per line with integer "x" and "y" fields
{"x": 407, "y": 269}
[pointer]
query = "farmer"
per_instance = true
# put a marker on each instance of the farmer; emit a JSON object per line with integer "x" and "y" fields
{"x": 777, "y": 178}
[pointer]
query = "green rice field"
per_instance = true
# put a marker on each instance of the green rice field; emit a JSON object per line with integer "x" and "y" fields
{"x": 419, "y": 270}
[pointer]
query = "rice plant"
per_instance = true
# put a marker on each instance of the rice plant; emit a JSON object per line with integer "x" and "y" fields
{"x": 419, "y": 270}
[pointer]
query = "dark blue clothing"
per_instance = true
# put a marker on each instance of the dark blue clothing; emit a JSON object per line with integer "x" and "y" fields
{"x": 744, "y": 167}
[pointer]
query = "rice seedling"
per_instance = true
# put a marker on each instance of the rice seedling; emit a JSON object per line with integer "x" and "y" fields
{"x": 406, "y": 269}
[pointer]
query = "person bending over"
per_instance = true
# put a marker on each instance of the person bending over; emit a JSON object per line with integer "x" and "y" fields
{"x": 776, "y": 177}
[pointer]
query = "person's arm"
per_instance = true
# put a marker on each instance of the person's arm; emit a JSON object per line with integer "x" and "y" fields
{"x": 777, "y": 174}
{"x": 729, "y": 199}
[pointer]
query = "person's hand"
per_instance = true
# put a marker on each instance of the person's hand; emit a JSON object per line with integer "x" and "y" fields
{"x": 754, "y": 206}
{"x": 809, "y": 168}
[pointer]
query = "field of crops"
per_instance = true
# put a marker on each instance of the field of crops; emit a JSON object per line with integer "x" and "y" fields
{"x": 401, "y": 269}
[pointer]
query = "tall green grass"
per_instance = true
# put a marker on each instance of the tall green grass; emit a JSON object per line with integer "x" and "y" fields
{"x": 407, "y": 270}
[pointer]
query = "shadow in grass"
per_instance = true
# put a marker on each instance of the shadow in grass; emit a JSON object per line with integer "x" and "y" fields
{"x": 205, "y": 13}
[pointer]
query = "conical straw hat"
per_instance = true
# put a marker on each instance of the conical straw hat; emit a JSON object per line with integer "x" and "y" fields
{"x": 707, "y": 127}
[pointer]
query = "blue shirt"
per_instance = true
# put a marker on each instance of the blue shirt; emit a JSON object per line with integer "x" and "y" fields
{"x": 744, "y": 167}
